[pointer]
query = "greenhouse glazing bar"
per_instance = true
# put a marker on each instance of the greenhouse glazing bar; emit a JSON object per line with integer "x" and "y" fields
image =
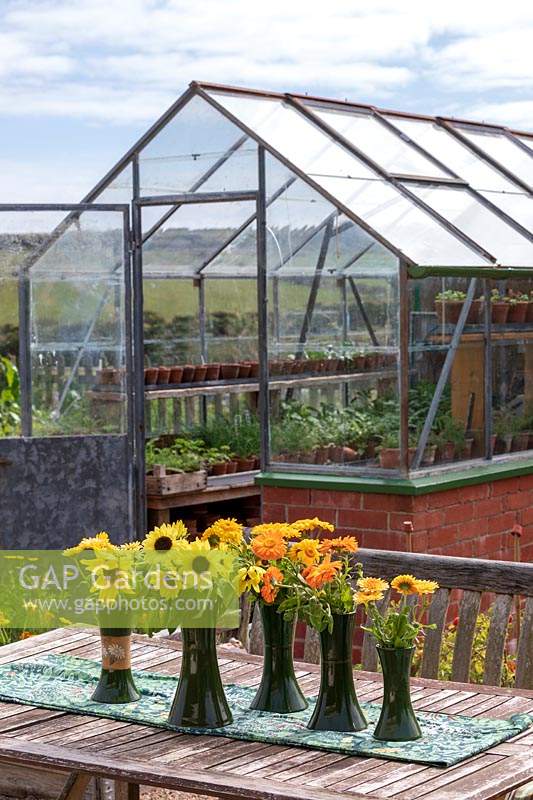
{"x": 487, "y": 379}
{"x": 262, "y": 309}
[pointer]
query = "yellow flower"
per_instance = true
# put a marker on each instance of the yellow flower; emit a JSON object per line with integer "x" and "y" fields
{"x": 227, "y": 531}
{"x": 310, "y": 525}
{"x": 348, "y": 544}
{"x": 404, "y": 584}
{"x": 250, "y": 578}
{"x": 98, "y": 542}
{"x": 133, "y": 547}
{"x": 3, "y": 620}
{"x": 160, "y": 543}
{"x": 372, "y": 585}
{"x": 367, "y": 597}
{"x": 269, "y": 546}
{"x": 307, "y": 552}
{"x": 426, "y": 587}
{"x": 280, "y": 529}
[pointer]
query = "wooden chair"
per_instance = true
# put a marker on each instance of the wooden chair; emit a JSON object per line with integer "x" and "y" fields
{"x": 504, "y": 580}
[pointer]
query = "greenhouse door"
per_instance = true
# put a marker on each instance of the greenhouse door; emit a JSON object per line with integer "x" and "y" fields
{"x": 67, "y": 460}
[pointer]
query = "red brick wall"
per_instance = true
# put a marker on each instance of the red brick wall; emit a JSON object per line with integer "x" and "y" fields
{"x": 472, "y": 521}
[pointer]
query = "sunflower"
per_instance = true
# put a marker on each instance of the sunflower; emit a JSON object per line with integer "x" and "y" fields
{"x": 404, "y": 584}
{"x": 371, "y": 585}
{"x": 281, "y": 529}
{"x": 348, "y": 544}
{"x": 132, "y": 547}
{"x": 269, "y": 546}
{"x": 306, "y": 552}
{"x": 250, "y": 578}
{"x": 160, "y": 544}
{"x": 226, "y": 531}
{"x": 426, "y": 587}
{"x": 319, "y": 574}
{"x": 271, "y": 580}
{"x": 310, "y": 525}
{"x": 99, "y": 542}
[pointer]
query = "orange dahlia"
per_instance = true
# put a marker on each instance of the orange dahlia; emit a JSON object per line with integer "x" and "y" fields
{"x": 319, "y": 574}
{"x": 268, "y": 546}
{"x": 270, "y": 588}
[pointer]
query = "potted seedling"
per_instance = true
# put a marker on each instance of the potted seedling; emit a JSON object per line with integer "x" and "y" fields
{"x": 506, "y": 424}
{"x": 448, "y": 305}
{"x": 518, "y": 307}
{"x": 450, "y": 438}
{"x": 175, "y": 469}
{"x": 529, "y": 314}
{"x": 499, "y": 308}
{"x": 389, "y": 450}
{"x": 217, "y": 460}
{"x": 430, "y": 451}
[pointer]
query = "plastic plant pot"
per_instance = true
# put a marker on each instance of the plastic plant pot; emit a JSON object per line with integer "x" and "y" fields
{"x": 150, "y": 376}
{"x": 200, "y": 373}
{"x": 212, "y": 372}
{"x": 176, "y": 374}
{"x": 244, "y": 370}
{"x": 163, "y": 375}
{"x": 229, "y": 371}
{"x": 500, "y": 312}
{"x": 188, "y": 373}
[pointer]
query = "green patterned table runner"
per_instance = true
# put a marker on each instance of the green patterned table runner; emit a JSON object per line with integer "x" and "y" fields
{"x": 65, "y": 683}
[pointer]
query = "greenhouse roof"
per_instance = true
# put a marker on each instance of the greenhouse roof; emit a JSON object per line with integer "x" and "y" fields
{"x": 435, "y": 190}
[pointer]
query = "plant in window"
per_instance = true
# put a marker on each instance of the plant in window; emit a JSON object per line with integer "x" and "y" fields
{"x": 9, "y": 398}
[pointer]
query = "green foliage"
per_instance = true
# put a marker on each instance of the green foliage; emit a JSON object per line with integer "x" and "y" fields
{"x": 9, "y": 398}
{"x": 450, "y": 295}
{"x": 240, "y": 434}
{"x": 506, "y": 422}
{"x": 400, "y": 626}
{"x": 185, "y": 455}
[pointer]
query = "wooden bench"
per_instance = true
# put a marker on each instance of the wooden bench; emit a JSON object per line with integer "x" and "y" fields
{"x": 505, "y": 580}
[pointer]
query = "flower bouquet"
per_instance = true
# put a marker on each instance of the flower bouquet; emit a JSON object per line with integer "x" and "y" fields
{"x": 396, "y": 631}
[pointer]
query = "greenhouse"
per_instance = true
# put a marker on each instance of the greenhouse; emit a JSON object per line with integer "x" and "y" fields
{"x": 267, "y": 289}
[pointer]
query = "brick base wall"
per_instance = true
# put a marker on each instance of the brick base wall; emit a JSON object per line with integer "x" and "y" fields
{"x": 471, "y": 521}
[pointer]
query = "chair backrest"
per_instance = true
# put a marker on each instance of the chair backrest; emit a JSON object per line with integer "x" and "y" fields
{"x": 503, "y": 579}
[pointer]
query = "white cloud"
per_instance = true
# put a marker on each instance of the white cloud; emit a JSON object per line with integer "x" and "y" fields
{"x": 515, "y": 114}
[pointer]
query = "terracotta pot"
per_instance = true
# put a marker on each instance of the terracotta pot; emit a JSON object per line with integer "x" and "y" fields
{"x": 163, "y": 375}
{"x": 107, "y": 375}
{"x": 213, "y": 372}
{"x": 493, "y": 440}
{"x": 219, "y": 469}
{"x": 244, "y": 370}
{"x": 200, "y": 373}
{"x": 447, "y": 451}
{"x": 518, "y": 312}
{"x": 389, "y": 457}
{"x": 188, "y": 373}
{"x": 298, "y": 366}
{"x": 312, "y": 365}
{"x": 321, "y": 455}
{"x": 500, "y": 312}
{"x": 176, "y": 374}
{"x": 370, "y": 362}
{"x": 360, "y": 363}
{"x": 150, "y": 376}
{"x": 529, "y": 315}
{"x": 505, "y": 442}
{"x": 231, "y": 467}
{"x": 229, "y": 371}
{"x": 520, "y": 441}
{"x": 468, "y": 446}
{"x": 474, "y": 312}
{"x": 254, "y": 369}
{"x": 332, "y": 364}
{"x": 448, "y": 310}
{"x": 429, "y": 455}
{"x": 245, "y": 464}
{"x": 257, "y": 462}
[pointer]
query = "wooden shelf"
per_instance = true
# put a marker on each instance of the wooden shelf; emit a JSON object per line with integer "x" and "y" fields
{"x": 241, "y": 386}
{"x": 219, "y": 488}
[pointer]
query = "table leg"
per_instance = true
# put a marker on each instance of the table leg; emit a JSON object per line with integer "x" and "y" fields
{"x": 75, "y": 787}
{"x": 126, "y": 791}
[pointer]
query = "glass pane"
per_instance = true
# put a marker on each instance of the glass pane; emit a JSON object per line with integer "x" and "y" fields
{"x": 9, "y": 343}
{"x": 459, "y": 158}
{"x": 457, "y": 431}
{"x": 478, "y": 222}
{"x": 120, "y": 190}
{"x": 382, "y": 145}
{"x": 394, "y": 216}
{"x": 512, "y": 365}
{"x": 77, "y": 317}
{"x": 502, "y": 150}
{"x": 333, "y": 340}
{"x": 518, "y": 206}
{"x": 292, "y": 135}
{"x": 191, "y": 237}
{"x": 231, "y": 321}
{"x": 199, "y": 150}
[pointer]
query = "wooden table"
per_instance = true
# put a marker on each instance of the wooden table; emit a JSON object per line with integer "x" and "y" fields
{"x": 39, "y": 749}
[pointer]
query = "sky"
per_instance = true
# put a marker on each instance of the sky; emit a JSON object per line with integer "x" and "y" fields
{"x": 80, "y": 80}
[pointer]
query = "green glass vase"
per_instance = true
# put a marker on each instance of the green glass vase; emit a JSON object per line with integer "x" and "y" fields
{"x": 116, "y": 684}
{"x": 278, "y": 691}
{"x": 337, "y": 707}
{"x": 199, "y": 701}
{"x": 397, "y": 722}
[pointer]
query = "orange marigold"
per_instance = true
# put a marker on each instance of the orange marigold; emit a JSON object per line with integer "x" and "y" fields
{"x": 281, "y": 529}
{"x": 319, "y": 574}
{"x": 270, "y": 589}
{"x": 426, "y": 587}
{"x": 268, "y": 546}
{"x": 404, "y": 584}
{"x": 348, "y": 544}
{"x": 372, "y": 585}
{"x": 310, "y": 525}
